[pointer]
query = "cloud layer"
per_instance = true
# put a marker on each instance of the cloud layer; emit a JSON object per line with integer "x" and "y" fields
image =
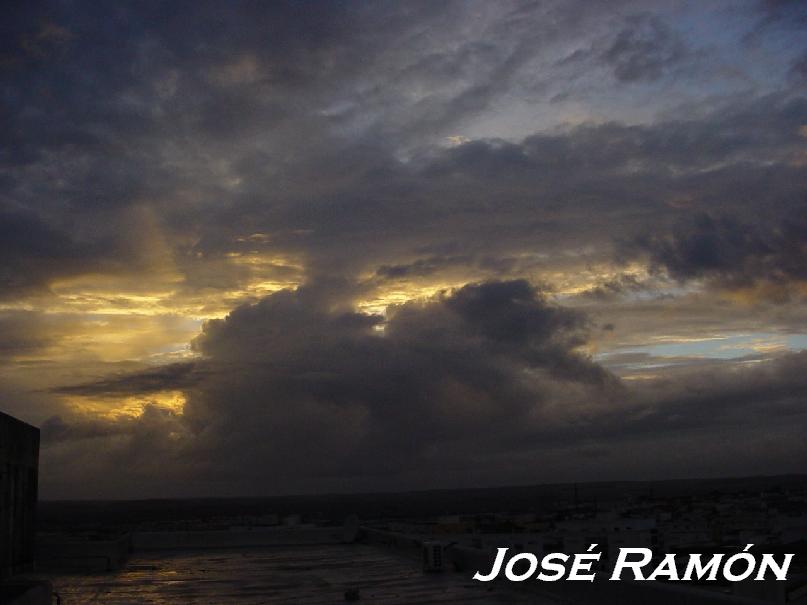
{"x": 402, "y": 244}
{"x": 483, "y": 384}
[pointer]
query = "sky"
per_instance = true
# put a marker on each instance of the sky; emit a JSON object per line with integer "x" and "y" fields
{"x": 254, "y": 248}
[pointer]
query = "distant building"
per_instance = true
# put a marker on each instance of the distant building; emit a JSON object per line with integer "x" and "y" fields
{"x": 19, "y": 461}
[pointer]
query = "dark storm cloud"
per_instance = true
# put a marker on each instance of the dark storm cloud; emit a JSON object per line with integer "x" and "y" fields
{"x": 172, "y": 376}
{"x": 119, "y": 114}
{"x": 732, "y": 395}
{"x": 381, "y": 211}
{"x": 300, "y": 390}
{"x": 480, "y": 383}
{"x": 732, "y": 252}
{"x": 422, "y": 267}
{"x": 319, "y": 124}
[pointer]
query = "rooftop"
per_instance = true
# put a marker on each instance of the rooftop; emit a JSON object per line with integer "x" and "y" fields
{"x": 299, "y": 574}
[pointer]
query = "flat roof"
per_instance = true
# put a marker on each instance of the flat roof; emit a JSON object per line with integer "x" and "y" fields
{"x": 298, "y": 574}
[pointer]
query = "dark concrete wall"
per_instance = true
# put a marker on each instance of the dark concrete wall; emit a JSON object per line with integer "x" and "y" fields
{"x": 19, "y": 462}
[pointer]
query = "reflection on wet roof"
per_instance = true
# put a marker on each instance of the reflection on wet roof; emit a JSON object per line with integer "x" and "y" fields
{"x": 300, "y": 574}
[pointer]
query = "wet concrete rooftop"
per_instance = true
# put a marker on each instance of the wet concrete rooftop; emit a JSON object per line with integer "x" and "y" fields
{"x": 296, "y": 574}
